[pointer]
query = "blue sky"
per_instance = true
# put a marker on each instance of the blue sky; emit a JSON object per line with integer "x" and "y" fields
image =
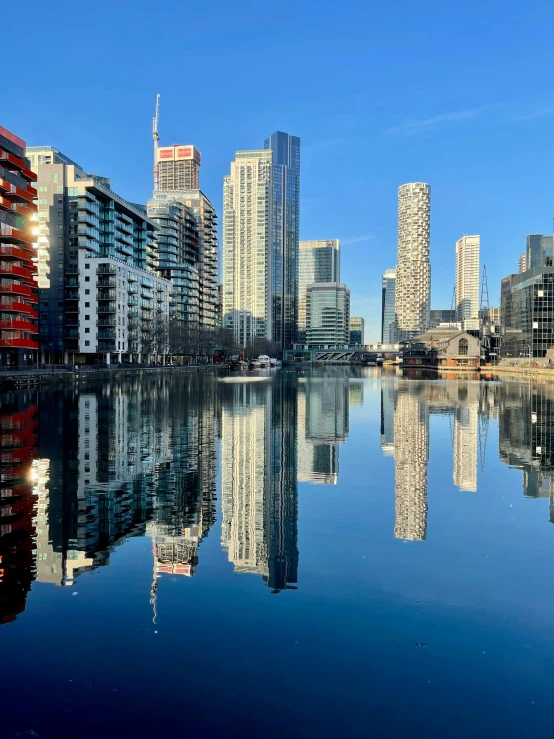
{"x": 459, "y": 94}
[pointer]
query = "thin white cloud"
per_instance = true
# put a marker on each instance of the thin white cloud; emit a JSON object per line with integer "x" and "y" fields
{"x": 357, "y": 239}
{"x": 541, "y": 113}
{"x": 411, "y": 128}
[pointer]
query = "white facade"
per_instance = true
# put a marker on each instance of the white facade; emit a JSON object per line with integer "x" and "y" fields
{"x": 467, "y": 281}
{"x": 245, "y": 429}
{"x": 413, "y": 271}
{"x": 246, "y": 263}
{"x": 122, "y": 309}
{"x": 466, "y": 423}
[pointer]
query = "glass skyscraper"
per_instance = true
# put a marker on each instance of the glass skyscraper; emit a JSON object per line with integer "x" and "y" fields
{"x": 284, "y": 218}
{"x": 318, "y": 261}
{"x": 388, "y": 327}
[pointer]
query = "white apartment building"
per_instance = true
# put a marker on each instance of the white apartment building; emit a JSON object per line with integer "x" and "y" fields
{"x": 123, "y": 310}
{"x": 467, "y": 281}
{"x": 246, "y": 264}
{"x": 413, "y": 271}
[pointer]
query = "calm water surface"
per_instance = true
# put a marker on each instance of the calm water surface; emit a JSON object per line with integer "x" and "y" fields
{"x": 314, "y": 554}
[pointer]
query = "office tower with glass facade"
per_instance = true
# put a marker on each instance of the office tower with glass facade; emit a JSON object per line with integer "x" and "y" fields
{"x": 178, "y": 167}
{"x": 413, "y": 270}
{"x": 441, "y": 315}
{"x": 388, "y": 313}
{"x": 328, "y": 314}
{"x": 261, "y": 198}
{"x": 19, "y": 241}
{"x": 467, "y": 281}
{"x": 538, "y": 251}
{"x": 284, "y": 217}
{"x": 527, "y": 310}
{"x": 356, "y": 331}
{"x": 318, "y": 261}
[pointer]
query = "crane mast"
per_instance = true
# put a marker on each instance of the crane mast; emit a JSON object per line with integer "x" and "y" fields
{"x": 156, "y": 139}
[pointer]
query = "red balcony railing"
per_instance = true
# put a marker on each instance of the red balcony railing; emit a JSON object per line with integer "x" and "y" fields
{"x": 17, "y": 307}
{"x": 19, "y": 343}
{"x": 19, "y": 325}
{"x": 18, "y": 290}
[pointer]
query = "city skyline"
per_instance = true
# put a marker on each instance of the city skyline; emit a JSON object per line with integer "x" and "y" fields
{"x": 433, "y": 139}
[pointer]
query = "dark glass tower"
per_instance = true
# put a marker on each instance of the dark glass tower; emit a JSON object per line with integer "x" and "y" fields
{"x": 284, "y": 221}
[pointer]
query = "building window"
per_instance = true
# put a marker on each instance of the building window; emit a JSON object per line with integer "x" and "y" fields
{"x": 87, "y": 331}
{"x": 87, "y": 279}
{"x": 87, "y": 292}
{"x": 87, "y": 317}
{"x": 463, "y": 347}
{"x": 87, "y": 305}
{"x": 87, "y": 343}
{"x": 87, "y": 266}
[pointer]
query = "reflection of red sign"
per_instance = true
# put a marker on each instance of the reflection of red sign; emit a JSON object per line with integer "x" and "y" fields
{"x": 166, "y": 153}
{"x": 184, "y": 152}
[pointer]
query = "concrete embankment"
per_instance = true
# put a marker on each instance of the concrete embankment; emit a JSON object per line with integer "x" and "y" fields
{"x": 542, "y": 372}
{"x": 48, "y": 377}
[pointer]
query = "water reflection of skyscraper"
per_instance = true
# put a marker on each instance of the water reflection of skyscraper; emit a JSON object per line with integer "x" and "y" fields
{"x": 18, "y": 425}
{"x": 411, "y": 455}
{"x": 323, "y": 413}
{"x": 258, "y": 486}
{"x": 526, "y": 436}
{"x": 405, "y": 411}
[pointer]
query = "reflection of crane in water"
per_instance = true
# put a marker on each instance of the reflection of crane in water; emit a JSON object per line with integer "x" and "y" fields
{"x": 483, "y": 420}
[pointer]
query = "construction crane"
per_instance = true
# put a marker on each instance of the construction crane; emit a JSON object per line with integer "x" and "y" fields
{"x": 156, "y": 138}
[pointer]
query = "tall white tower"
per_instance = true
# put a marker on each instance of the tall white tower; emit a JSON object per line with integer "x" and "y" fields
{"x": 247, "y": 267}
{"x": 467, "y": 281}
{"x": 413, "y": 271}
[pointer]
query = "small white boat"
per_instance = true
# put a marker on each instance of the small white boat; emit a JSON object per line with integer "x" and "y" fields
{"x": 275, "y": 363}
{"x": 263, "y": 361}
{"x": 254, "y": 364}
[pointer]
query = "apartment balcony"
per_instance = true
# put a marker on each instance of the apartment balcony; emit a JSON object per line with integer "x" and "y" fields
{"x": 14, "y": 289}
{"x": 15, "y": 307}
{"x": 18, "y": 325}
{"x": 106, "y": 269}
{"x": 106, "y": 308}
{"x": 109, "y": 321}
{"x": 106, "y": 333}
{"x": 9, "y": 270}
{"x": 132, "y": 301}
{"x": 19, "y": 343}
{"x": 106, "y": 345}
{"x": 106, "y": 294}
{"x": 132, "y": 289}
{"x": 88, "y": 205}
{"x": 105, "y": 281}
{"x": 72, "y": 294}
{"x": 132, "y": 277}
